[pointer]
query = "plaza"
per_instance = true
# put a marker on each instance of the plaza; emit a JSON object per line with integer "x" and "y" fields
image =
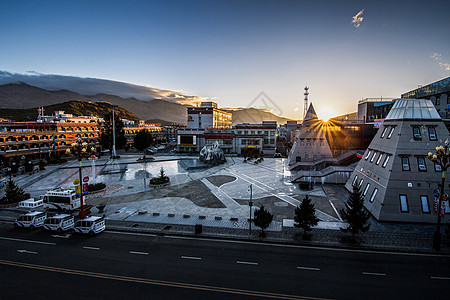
{"x": 215, "y": 197}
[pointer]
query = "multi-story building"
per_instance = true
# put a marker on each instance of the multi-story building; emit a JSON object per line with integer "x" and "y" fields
{"x": 256, "y": 136}
{"x": 131, "y": 128}
{"x": 372, "y": 110}
{"x": 39, "y": 139}
{"x": 439, "y": 94}
{"x": 208, "y": 116}
{"x": 395, "y": 176}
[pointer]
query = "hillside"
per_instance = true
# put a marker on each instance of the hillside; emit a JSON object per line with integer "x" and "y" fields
{"x": 25, "y": 96}
{"x": 255, "y": 116}
{"x": 22, "y": 95}
{"x": 77, "y": 108}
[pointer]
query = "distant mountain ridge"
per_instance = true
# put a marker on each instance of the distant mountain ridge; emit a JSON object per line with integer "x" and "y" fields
{"x": 76, "y": 108}
{"x": 25, "y": 96}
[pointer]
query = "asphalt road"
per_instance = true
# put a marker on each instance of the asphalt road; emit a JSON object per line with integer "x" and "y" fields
{"x": 41, "y": 265}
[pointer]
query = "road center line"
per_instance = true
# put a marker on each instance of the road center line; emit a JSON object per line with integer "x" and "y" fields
{"x": 27, "y": 241}
{"x": 374, "y": 274}
{"x": 137, "y": 252}
{"x": 91, "y": 248}
{"x": 191, "y": 257}
{"x": 247, "y": 263}
{"x": 308, "y": 268}
{"x": 437, "y": 277}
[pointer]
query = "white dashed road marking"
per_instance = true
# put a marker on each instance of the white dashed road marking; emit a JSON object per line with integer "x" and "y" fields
{"x": 137, "y": 252}
{"x": 91, "y": 248}
{"x": 374, "y": 274}
{"x": 247, "y": 263}
{"x": 191, "y": 257}
{"x": 308, "y": 268}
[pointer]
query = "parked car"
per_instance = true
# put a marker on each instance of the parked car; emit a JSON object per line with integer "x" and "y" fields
{"x": 59, "y": 223}
{"x": 277, "y": 154}
{"x": 91, "y": 225}
{"x": 150, "y": 151}
{"x": 32, "y": 220}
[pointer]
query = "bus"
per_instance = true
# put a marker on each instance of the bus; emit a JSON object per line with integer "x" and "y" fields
{"x": 62, "y": 200}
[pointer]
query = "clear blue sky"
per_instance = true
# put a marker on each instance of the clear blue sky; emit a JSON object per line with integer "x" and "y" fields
{"x": 233, "y": 50}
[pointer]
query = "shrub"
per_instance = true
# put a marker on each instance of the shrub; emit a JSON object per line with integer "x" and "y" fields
{"x": 96, "y": 187}
{"x": 304, "y": 185}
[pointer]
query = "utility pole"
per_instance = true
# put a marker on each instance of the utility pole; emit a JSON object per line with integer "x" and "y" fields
{"x": 250, "y": 204}
{"x": 114, "y": 134}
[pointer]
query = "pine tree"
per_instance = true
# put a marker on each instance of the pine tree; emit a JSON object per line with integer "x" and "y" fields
{"x": 13, "y": 193}
{"x": 262, "y": 219}
{"x": 305, "y": 215}
{"x": 355, "y": 214}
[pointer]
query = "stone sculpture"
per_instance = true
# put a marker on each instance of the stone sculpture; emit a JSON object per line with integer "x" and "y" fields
{"x": 213, "y": 156}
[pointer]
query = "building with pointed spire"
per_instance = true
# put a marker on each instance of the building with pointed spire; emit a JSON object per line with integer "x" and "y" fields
{"x": 395, "y": 177}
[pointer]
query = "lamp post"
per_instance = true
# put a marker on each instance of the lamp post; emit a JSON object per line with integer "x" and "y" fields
{"x": 250, "y": 204}
{"x": 440, "y": 158}
{"x": 80, "y": 149}
{"x": 114, "y": 134}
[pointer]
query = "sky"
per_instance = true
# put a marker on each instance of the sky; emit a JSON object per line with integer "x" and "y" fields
{"x": 231, "y": 51}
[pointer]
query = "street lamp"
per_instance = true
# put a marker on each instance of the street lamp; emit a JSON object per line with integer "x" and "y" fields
{"x": 440, "y": 158}
{"x": 80, "y": 149}
{"x": 250, "y": 204}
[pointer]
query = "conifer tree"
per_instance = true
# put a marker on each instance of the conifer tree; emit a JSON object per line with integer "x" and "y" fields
{"x": 262, "y": 219}
{"x": 305, "y": 215}
{"x": 13, "y": 193}
{"x": 355, "y": 214}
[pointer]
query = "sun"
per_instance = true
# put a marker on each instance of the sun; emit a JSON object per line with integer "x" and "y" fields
{"x": 326, "y": 114}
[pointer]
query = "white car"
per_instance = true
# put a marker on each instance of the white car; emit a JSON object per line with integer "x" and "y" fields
{"x": 91, "y": 225}
{"x": 33, "y": 219}
{"x": 59, "y": 223}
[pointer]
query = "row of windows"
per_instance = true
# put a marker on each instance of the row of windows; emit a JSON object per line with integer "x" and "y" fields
{"x": 417, "y": 134}
{"x": 424, "y": 204}
{"x": 391, "y": 131}
{"x": 404, "y": 206}
{"x": 253, "y": 132}
{"x": 314, "y": 142}
{"x": 380, "y": 157}
{"x": 421, "y": 164}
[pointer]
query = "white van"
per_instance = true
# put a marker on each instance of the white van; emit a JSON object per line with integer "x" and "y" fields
{"x": 59, "y": 223}
{"x": 31, "y": 220}
{"x": 31, "y": 203}
{"x": 91, "y": 225}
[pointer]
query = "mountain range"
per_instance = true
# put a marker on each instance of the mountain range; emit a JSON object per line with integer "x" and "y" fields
{"x": 165, "y": 106}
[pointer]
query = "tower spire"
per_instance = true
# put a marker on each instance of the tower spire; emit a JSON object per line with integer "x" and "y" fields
{"x": 305, "y": 108}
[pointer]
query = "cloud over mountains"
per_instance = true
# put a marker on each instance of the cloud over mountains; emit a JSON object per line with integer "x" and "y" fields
{"x": 92, "y": 86}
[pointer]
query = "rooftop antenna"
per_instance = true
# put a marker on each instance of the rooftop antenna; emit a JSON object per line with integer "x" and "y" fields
{"x": 305, "y": 108}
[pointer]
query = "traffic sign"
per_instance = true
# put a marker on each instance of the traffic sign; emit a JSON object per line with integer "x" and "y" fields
{"x": 76, "y": 181}
{"x": 444, "y": 196}
{"x": 85, "y": 178}
{"x": 436, "y": 193}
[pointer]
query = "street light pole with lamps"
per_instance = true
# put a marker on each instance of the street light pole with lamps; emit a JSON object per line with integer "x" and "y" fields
{"x": 440, "y": 158}
{"x": 80, "y": 149}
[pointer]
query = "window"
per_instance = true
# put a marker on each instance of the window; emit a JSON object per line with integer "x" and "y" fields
{"x": 404, "y": 204}
{"x": 425, "y": 205}
{"x": 373, "y": 156}
{"x": 321, "y": 142}
{"x": 432, "y": 133}
{"x": 360, "y": 183}
{"x": 437, "y": 168}
{"x": 405, "y": 164}
{"x": 354, "y": 179}
{"x": 366, "y": 189}
{"x": 379, "y": 158}
{"x": 384, "y": 132}
{"x": 438, "y": 100}
{"x": 308, "y": 143}
{"x": 421, "y": 164}
{"x": 374, "y": 193}
{"x": 368, "y": 154}
{"x": 391, "y": 132}
{"x": 416, "y": 133}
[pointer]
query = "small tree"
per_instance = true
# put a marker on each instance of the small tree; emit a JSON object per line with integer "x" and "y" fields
{"x": 13, "y": 193}
{"x": 355, "y": 214}
{"x": 262, "y": 219}
{"x": 305, "y": 215}
{"x": 142, "y": 140}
